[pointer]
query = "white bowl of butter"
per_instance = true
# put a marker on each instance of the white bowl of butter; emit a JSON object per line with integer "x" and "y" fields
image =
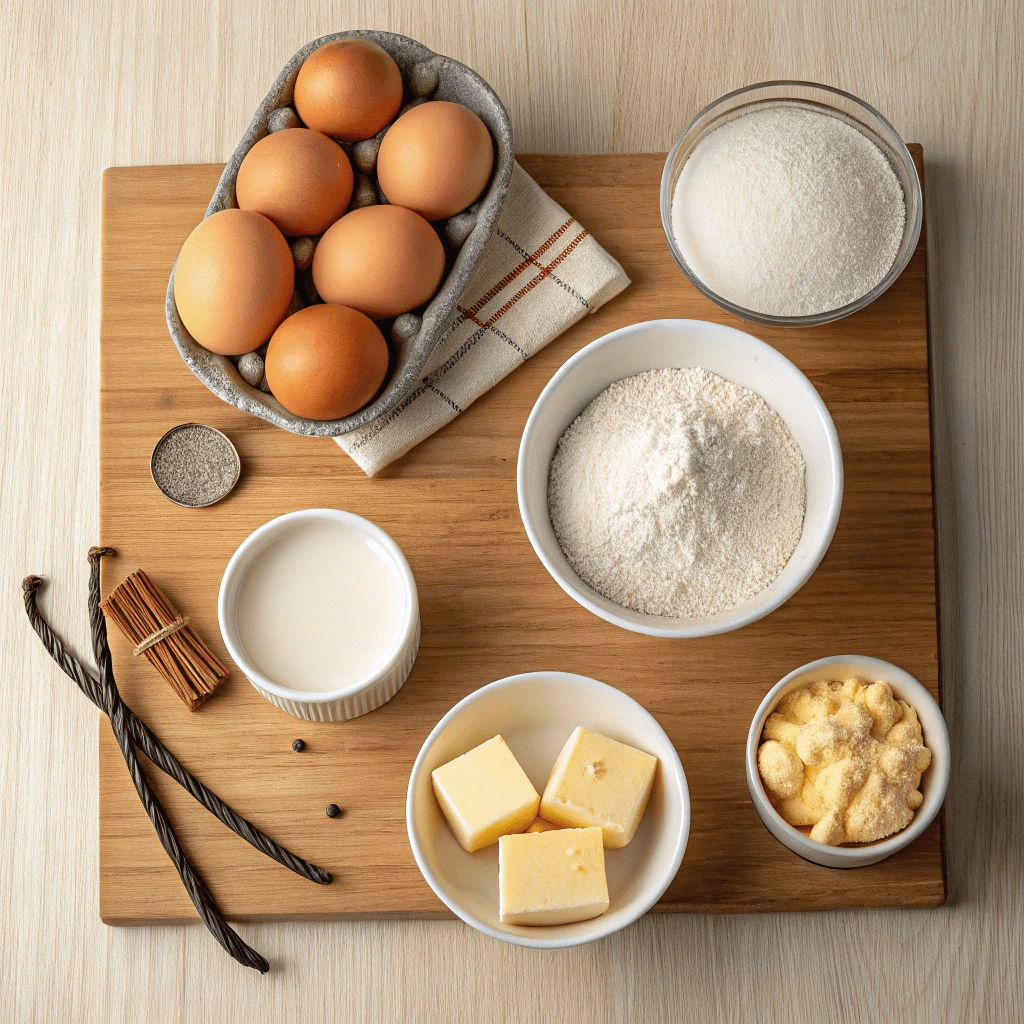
{"x": 535, "y": 714}
{"x": 319, "y": 609}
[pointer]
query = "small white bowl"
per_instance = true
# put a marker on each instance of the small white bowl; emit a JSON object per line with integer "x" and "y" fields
{"x": 732, "y": 354}
{"x": 360, "y": 697}
{"x": 535, "y": 713}
{"x": 933, "y": 782}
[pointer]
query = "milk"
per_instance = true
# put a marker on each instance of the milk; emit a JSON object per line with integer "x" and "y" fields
{"x": 321, "y": 607}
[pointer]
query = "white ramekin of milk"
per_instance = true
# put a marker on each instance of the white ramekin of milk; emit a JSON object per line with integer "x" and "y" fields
{"x": 319, "y": 609}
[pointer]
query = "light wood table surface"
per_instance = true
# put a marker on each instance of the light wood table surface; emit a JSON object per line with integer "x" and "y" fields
{"x": 93, "y": 83}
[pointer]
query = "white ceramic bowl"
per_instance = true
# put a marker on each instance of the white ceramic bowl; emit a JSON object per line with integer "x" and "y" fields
{"x": 933, "y": 782}
{"x": 360, "y": 697}
{"x": 740, "y": 358}
{"x": 535, "y": 713}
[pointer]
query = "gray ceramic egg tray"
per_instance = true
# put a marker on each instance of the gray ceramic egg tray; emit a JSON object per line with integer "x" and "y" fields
{"x": 456, "y": 83}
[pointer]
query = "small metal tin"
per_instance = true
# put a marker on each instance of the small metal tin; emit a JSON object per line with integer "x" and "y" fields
{"x": 198, "y": 469}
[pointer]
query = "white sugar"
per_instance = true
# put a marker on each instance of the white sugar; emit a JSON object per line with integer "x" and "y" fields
{"x": 788, "y": 211}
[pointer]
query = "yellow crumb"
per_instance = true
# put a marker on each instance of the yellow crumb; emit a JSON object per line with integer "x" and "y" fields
{"x": 845, "y": 758}
{"x": 780, "y": 768}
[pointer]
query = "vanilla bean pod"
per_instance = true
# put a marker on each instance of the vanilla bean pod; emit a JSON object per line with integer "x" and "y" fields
{"x": 153, "y": 748}
{"x": 201, "y": 897}
{"x": 104, "y": 693}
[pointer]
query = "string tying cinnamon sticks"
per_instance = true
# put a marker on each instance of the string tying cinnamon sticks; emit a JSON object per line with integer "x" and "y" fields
{"x": 161, "y": 634}
{"x": 131, "y": 732}
{"x": 147, "y": 618}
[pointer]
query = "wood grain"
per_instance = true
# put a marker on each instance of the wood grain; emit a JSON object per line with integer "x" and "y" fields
{"x": 489, "y": 609}
{"x": 92, "y": 84}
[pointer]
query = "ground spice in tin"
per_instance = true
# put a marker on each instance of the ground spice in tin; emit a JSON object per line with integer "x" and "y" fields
{"x": 195, "y": 465}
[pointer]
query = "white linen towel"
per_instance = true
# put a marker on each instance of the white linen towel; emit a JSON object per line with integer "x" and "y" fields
{"x": 540, "y": 273}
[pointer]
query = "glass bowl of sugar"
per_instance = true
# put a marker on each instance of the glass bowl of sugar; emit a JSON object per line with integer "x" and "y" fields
{"x": 791, "y": 203}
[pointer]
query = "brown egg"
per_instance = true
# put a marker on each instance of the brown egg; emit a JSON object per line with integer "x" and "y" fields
{"x": 300, "y": 179}
{"x": 435, "y": 159}
{"x": 381, "y": 260}
{"x": 349, "y": 89}
{"x": 233, "y": 281}
{"x": 326, "y": 361}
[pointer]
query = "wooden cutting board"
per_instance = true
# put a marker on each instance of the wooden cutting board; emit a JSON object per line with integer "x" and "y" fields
{"x": 489, "y": 608}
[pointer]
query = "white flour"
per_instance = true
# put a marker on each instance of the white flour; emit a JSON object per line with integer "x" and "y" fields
{"x": 677, "y": 492}
{"x": 789, "y": 212}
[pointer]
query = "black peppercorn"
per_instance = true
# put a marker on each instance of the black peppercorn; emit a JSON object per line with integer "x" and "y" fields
{"x": 298, "y": 746}
{"x": 333, "y": 810}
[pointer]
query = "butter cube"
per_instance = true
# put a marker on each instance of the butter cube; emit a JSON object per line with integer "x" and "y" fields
{"x": 599, "y": 782}
{"x": 485, "y": 794}
{"x": 540, "y": 825}
{"x": 553, "y": 877}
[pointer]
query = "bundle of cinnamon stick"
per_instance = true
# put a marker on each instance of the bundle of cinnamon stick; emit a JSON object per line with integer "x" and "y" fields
{"x": 147, "y": 618}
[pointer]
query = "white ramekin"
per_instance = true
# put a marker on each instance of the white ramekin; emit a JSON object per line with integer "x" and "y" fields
{"x": 933, "y": 782}
{"x": 358, "y": 698}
